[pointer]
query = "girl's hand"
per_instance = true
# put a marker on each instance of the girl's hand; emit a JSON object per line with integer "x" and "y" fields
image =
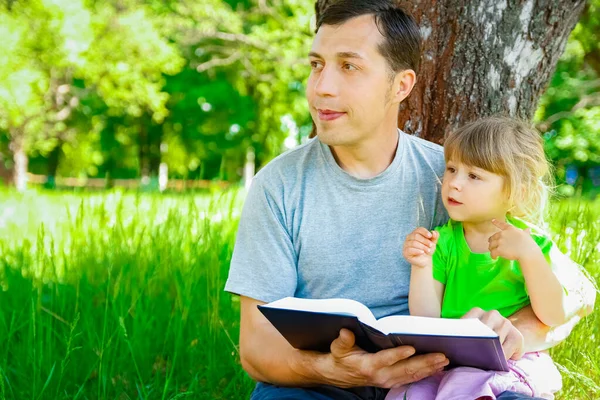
{"x": 511, "y": 243}
{"x": 419, "y": 246}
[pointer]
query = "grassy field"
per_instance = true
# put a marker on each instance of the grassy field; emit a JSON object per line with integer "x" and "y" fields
{"x": 120, "y": 296}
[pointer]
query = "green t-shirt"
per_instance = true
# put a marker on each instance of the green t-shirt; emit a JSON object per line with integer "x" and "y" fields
{"x": 477, "y": 280}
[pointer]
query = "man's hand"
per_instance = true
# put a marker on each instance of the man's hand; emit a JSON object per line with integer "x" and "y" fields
{"x": 386, "y": 368}
{"x": 419, "y": 246}
{"x": 512, "y": 243}
{"x": 512, "y": 340}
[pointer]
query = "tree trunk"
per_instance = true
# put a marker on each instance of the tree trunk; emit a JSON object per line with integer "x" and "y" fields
{"x": 53, "y": 161}
{"x": 5, "y": 173}
{"x": 155, "y": 137}
{"x": 482, "y": 57}
{"x": 150, "y": 139}
{"x": 143, "y": 148}
{"x": 20, "y": 160}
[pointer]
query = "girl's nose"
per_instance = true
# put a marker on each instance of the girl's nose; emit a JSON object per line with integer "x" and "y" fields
{"x": 455, "y": 183}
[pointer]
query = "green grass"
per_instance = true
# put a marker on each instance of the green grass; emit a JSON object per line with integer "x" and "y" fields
{"x": 120, "y": 296}
{"x": 117, "y": 296}
{"x": 576, "y": 228}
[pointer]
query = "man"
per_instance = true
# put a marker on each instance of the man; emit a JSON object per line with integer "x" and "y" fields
{"x": 329, "y": 218}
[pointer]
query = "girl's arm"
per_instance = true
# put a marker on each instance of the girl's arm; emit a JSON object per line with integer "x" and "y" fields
{"x": 425, "y": 293}
{"x": 580, "y": 298}
{"x": 544, "y": 289}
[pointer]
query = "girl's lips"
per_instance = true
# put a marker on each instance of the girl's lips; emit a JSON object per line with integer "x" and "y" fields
{"x": 453, "y": 202}
{"x": 329, "y": 115}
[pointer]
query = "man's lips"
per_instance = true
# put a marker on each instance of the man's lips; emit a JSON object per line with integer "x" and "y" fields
{"x": 329, "y": 115}
{"x": 453, "y": 202}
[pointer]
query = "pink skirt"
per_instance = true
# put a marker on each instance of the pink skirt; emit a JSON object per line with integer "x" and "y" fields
{"x": 534, "y": 374}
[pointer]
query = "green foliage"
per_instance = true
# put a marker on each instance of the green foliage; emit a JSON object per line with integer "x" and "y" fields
{"x": 104, "y": 84}
{"x": 236, "y": 90}
{"x": 111, "y": 89}
{"x": 22, "y": 82}
{"x": 569, "y": 112}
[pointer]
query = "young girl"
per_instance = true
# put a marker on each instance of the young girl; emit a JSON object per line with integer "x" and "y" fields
{"x": 489, "y": 255}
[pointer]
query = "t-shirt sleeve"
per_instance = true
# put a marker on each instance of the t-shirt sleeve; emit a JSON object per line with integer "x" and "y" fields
{"x": 440, "y": 256}
{"x": 263, "y": 264}
{"x": 546, "y": 245}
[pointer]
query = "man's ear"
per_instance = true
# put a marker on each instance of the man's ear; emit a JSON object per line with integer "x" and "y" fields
{"x": 403, "y": 84}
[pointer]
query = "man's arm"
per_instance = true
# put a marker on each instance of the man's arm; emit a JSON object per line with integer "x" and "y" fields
{"x": 538, "y": 336}
{"x": 523, "y": 332}
{"x": 268, "y": 357}
{"x": 580, "y": 295}
{"x": 577, "y": 293}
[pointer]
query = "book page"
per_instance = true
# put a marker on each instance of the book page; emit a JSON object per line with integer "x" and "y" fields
{"x": 330, "y": 306}
{"x": 471, "y": 327}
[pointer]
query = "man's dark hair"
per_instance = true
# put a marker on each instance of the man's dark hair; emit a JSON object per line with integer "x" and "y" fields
{"x": 401, "y": 46}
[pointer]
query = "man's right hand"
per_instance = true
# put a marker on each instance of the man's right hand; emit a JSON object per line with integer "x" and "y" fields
{"x": 353, "y": 366}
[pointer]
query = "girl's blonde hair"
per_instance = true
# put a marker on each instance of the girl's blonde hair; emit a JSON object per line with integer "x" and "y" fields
{"x": 512, "y": 149}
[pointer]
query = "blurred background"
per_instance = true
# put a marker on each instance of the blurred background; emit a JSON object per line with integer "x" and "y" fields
{"x": 139, "y": 93}
{"x": 135, "y": 89}
{"x": 129, "y": 130}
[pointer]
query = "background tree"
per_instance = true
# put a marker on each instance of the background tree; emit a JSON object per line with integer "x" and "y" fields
{"x": 569, "y": 111}
{"x": 482, "y": 57}
{"x": 114, "y": 89}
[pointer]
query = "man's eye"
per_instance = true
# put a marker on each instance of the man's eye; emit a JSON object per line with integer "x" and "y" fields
{"x": 349, "y": 67}
{"x": 315, "y": 65}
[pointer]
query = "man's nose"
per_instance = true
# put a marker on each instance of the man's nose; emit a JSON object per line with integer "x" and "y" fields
{"x": 327, "y": 83}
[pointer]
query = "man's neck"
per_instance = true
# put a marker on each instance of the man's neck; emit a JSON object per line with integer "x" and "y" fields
{"x": 367, "y": 159}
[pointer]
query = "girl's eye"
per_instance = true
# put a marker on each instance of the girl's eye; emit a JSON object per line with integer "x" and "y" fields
{"x": 450, "y": 169}
{"x": 473, "y": 176}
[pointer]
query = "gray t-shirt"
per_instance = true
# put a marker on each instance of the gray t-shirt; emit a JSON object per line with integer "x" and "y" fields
{"x": 309, "y": 229}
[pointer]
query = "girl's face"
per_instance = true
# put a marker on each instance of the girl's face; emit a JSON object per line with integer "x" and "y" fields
{"x": 471, "y": 194}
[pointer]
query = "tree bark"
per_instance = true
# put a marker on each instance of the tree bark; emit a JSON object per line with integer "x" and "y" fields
{"x": 20, "y": 159}
{"x": 143, "y": 150}
{"x": 482, "y": 57}
{"x": 53, "y": 161}
{"x": 5, "y": 173}
{"x": 150, "y": 138}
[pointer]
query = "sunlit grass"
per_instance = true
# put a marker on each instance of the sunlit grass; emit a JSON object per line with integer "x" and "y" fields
{"x": 115, "y": 295}
{"x": 120, "y": 296}
{"x": 576, "y": 228}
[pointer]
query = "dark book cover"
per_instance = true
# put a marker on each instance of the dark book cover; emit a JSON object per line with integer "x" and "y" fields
{"x": 309, "y": 330}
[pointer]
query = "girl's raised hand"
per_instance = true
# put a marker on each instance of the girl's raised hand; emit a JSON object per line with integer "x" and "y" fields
{"x": 419, "y": 247}
{"x": 511, "y": 242}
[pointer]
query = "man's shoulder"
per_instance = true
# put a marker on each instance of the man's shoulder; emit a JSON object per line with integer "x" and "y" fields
{"x": 288, "y": 165}
{"x": 291, "y": 159}
{"x": 430, "y": 150}
{"x": 425, "y": 155}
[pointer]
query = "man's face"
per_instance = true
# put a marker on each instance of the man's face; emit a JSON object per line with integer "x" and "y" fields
{"x": 349, "y": 91}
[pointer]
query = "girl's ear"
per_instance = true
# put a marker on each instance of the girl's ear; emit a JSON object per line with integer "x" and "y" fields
{"x": 518, "y": 199}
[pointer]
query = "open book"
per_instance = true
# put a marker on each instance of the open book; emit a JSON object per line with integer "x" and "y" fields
{"x": 312, "y": 324}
